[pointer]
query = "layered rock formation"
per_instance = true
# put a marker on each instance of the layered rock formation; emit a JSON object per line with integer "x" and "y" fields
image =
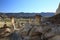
{"x": 58, "y": 9}
{"x": 55, "y": 19}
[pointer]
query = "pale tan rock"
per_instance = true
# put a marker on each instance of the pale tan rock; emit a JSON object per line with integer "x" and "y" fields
{"x": 58, "y": 9}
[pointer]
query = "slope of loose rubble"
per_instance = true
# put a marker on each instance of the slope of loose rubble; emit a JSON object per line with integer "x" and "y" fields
{"x": 35, "y": 32}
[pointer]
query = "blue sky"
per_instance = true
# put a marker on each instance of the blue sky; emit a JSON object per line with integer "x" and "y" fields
{"x": 28, "y": 5}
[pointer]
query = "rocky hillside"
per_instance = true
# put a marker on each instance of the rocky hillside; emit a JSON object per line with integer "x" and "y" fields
{"x": 55, "y": 19}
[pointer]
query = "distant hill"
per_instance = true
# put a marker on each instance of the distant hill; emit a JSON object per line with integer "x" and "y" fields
{"x": 28, "y": 14}
{"x": 48, "y": 14}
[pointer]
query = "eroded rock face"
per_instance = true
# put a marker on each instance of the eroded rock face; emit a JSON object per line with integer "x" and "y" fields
{"x": 5, "y": 38}
{"x": 35, "y": 32}
{"x": 58, "y": 9}
{"x": 13, "y": 36}
{"x": 5, "y": 32}
{"x": 57, "y": 37}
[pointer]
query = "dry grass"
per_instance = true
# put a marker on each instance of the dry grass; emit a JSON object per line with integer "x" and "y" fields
{"x": 2, "y": 23}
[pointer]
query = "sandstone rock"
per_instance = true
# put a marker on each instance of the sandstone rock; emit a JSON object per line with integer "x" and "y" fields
{"x": 57, "y": 37}
{"x": 58, "y": 9}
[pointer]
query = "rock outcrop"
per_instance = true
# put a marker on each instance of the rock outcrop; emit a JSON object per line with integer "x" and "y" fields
{"x": 58, "y": 9}
{"x": 55, "y": 19}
